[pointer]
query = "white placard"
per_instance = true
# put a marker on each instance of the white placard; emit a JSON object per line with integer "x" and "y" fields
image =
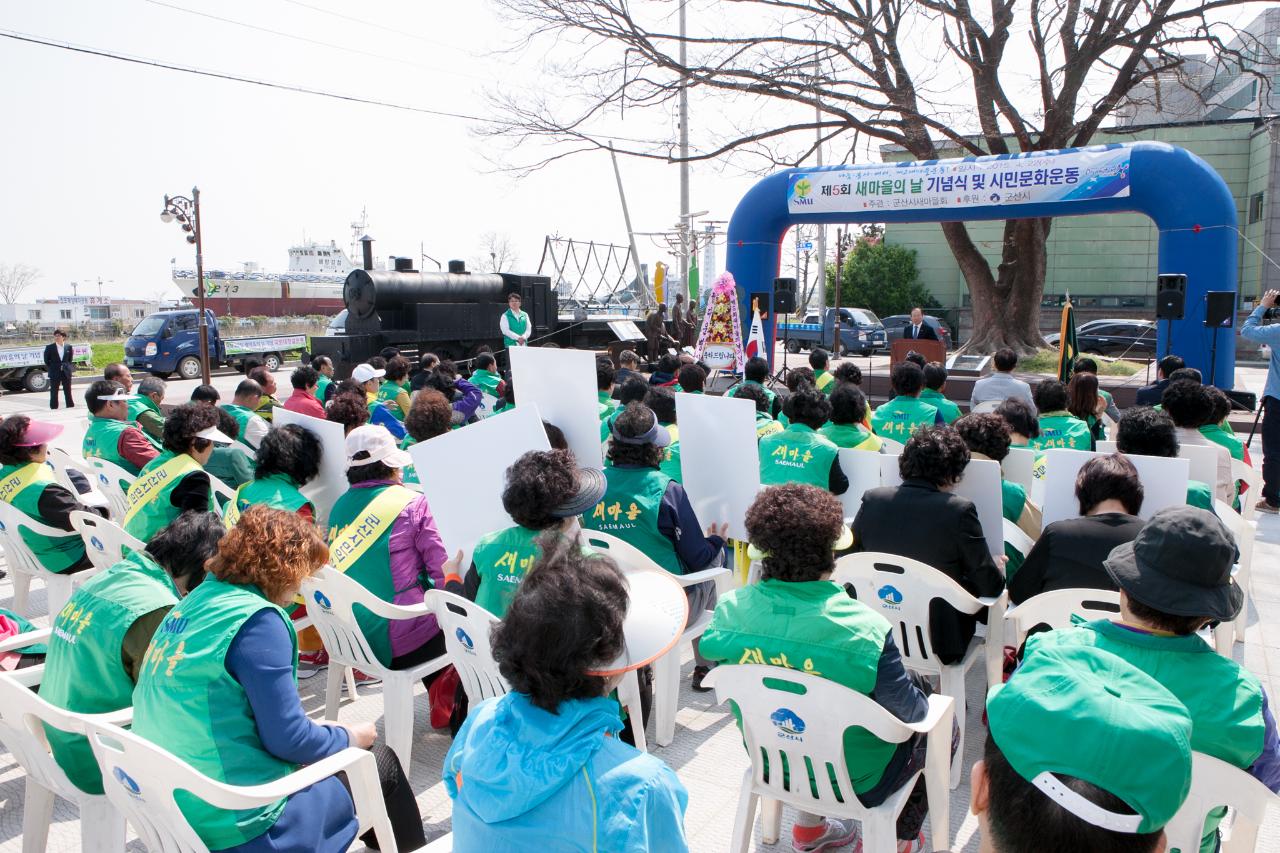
{"x": 1203, "y": 459}
{"x": 862, "y": 468}
{"x": 463, "y": 473}
{"x": 890, "y": 470}
{"x": 1164, "y": 482}
{"x": 561, "y": 383}
{"x": 1017, "y": 466}
{"x": 331, "y": 483}
{"x": 981, "y": 484}
{"x": 719, "y": 458}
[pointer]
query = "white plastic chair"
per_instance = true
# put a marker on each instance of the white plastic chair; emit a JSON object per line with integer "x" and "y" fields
{"x": 1245, "y": 533}
{"x": 666, "y": 669}
{"x": 467, "y": 626}
{"x": 220, "y": 490}
{"x": 900, "y": 589}
{"x": 330, "y": 597}
{"x": 114, "y": 482}
{"x": 63, "y": 464}
{"x": 140, "y": 779}
{"x": 806, "y": 730}
{"x": 1017, "y": 538}
{"x": 1215, "y": 783}
{"x": 23, "y": 715}
{"x": 104, "y": 541}
{"x": 1056, "y": 609}
{"x": 1252, "y": 477}
{"x": 25, "y": 565}
{"x": 443, "y": 844}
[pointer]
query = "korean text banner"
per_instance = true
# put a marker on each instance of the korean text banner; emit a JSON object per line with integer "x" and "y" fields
{"x": 1035, "y": 177}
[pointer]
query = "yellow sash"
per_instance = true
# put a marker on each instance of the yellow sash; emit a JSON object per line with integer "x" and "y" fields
{"x": 231, "y": 512}
{"x": 348, "y": 544}
{"x": 27, "y": 475}
{"x": 149, "y": 485}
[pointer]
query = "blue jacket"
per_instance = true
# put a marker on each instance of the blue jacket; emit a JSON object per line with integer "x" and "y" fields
{"x": 522, "y": 778}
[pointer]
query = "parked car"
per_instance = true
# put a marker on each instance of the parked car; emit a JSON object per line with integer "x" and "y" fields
{"x": 895, "y": 324}
{"x": 860, "y": 332}
{"x": 1126, "y": 338}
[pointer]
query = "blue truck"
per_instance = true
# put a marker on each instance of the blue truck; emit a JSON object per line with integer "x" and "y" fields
{"x": 168, "y": 342}
{"x": 861, "y": 332}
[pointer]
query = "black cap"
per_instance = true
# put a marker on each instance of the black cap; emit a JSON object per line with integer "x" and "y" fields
{"x": 1180, "y": 564}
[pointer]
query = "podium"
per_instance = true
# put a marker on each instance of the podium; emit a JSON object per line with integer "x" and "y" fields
{"x": 931, "y": 350}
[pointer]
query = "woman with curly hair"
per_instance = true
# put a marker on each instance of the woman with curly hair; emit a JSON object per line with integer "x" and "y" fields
{"x": 798, "y": 614}
{"x": 543, "y": 767}
{"x": 648, "y": 509}
{"x": 429, "y": 416}
{"x": 175, "y": 481}
{"x": 848, "y": 416}
{"x": 800, "y": 454}
{"x": 544, "y": 491}
{"x": 923, "y": 520}
{"x": 348, "y": 408}
{"x": 221, "y": 695}
{"x": 27, "y": 483}
{"x": 987, "y": 437}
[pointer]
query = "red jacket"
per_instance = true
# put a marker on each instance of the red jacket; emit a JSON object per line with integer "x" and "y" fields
{"x": 304, "y": 403}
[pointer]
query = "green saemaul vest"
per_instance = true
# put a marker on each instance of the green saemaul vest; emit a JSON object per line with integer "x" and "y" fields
{"x": 187, "y": 702}
{"x": 1061, "y": 429}
{"x": 138, "y": 404}
{"x": 242, "y": 416}
{"x": 670, "y": 464}
{"x": 84, "y": 671}
{"x": 950, "y": 411}
{"x": 359, "y": 545}
{"x": 21, "y": 486}
{"x": 502, "y": 559}
{"x": 322, "y": 385}
{"x": 277, "y": 491}
{"x": 812, "y": 627}
{"x": 102, "y": 441}
{"x": 1222, "y": 697}
{"x": 517, "y": 323}
{"x": 486, "y": 380}
{"x": 149, "y": 508}
{"x": 1013, "y": 497}
{"x": 824, "y": 381}
{"x": 902, "y": 416}
{"x": 630, "y": 512}
{"x": 798, "y": 454}
{"x": 387, "y": 393}
{"x": 850, "y": 436}
{"x": 733, "y": 392}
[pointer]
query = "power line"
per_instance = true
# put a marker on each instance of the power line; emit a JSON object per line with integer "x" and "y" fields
{"x": 372, "y": 24}
{"x": 268, "y": 84}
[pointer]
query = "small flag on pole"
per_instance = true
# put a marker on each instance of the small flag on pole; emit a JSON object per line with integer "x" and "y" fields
{"x": 755, "y": 340}
{"x": 1068, "y": 347}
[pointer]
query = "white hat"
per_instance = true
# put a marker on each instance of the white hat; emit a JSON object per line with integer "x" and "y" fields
{"x": 657, "y": 611}
{"x": 364, "y": 372}
{"x": 117, "y": 395}
{"x": 215, "y": 435}
{"x": 372, "y": 443}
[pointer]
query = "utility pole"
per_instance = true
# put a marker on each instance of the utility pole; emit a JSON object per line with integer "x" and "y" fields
{"x": 684, "y": 155}
{"x": 835, "y": 320}
{"x": 641, "y": 278}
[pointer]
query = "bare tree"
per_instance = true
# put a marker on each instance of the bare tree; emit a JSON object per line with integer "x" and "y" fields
{"x": 935, "y": 77}
{"x": 14, "y": 279}
{"x": 496, "y": 253}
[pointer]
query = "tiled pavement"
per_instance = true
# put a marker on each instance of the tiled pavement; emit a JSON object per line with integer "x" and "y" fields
{"x": 707, "y": 753}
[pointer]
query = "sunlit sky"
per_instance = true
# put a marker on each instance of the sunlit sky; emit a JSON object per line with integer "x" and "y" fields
{"x": 91, "y": 145}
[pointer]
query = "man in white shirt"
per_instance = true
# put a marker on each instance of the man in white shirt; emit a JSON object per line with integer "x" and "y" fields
{"x": 919, "y": 330}
{"x": 514, "y": 323}
{"x": 1002, "y": 384}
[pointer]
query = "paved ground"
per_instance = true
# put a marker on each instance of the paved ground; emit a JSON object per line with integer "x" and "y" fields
{"x": 707, "y": 752}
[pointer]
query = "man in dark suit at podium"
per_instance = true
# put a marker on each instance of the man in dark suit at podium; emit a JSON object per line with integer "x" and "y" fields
{"x": 918, "y": 329}
{"x": 58, "y": 365}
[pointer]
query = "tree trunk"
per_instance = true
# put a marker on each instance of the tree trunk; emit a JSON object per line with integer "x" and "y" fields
{"x": 1006, "y": 306}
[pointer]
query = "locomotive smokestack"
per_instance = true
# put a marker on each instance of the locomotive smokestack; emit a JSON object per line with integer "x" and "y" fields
{"x": 366, "y": 245}
{"x": 458, "y": 267}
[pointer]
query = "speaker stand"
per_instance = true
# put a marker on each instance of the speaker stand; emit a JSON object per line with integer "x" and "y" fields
{"x": 784, "y": 371}
{"x": 1213, "y": 356}
{"x": 1168, "y": 335}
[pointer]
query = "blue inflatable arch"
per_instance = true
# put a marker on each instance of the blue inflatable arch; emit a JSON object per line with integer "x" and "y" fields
{"x": 1188, "y": 201}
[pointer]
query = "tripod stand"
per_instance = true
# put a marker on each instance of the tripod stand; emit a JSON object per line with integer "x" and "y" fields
{"x": 784, "y": 371}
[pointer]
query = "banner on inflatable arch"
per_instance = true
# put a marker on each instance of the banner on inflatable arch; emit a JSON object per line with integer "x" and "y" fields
{"x": 1080, "y": 174}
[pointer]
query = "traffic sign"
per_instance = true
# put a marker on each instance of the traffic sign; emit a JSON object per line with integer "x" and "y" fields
{"x": 808, "y": 244}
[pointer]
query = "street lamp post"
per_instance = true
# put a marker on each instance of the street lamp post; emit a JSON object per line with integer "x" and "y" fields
{"x": 186, "y": 211}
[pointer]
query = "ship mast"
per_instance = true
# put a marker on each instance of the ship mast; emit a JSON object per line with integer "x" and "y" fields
{"x": 358, "y": 229}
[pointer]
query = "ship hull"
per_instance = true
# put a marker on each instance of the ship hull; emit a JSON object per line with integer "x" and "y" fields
{"x": 265, "y": 296}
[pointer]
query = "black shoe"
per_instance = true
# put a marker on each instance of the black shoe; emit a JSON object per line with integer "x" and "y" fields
{"x": 699, "y": 673}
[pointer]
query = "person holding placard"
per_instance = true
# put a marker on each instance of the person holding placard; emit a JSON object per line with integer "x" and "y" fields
{"x": 514, "y": 324}
{"x": 1174, "y": 579}
{"x": 797, "y": 617}
{"x": 848, "y": 412}
{"x": 1070, "y": 553}
{"x": 988, "y": 437}
{"x": 923, "y": 520}
{"x": 175, "y": 481}
{"x": 1150, "y": 432}
{"x": 765, "y": 425}
{"x": 648, "y": 509}
{"x": 1058, "y": 427}
{"x": 906, "y": 412}
{"x": 543, "y": 767}
{"x": 799, "y": 454}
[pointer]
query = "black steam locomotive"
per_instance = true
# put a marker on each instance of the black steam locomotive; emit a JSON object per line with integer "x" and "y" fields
{"x": 453, "y": 314}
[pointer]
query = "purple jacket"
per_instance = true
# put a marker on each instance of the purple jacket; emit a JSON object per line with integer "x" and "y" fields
{"x": 416, "y": 551}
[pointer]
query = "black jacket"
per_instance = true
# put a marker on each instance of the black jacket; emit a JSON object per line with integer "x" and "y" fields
{"x": 1150, "y": 395}
{"x": 942, "y": 530}
{"x": 926, "y": 333}
{"x": 1069, "y": 555}
{"x": 55, "y": 367}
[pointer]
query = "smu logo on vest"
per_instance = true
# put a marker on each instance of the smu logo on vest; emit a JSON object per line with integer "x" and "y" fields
{"x": 890, "y": 597}
{"x": 467, "y": 643}
{"x": 788, "y": 724}
{"x": 126, "y": 782}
